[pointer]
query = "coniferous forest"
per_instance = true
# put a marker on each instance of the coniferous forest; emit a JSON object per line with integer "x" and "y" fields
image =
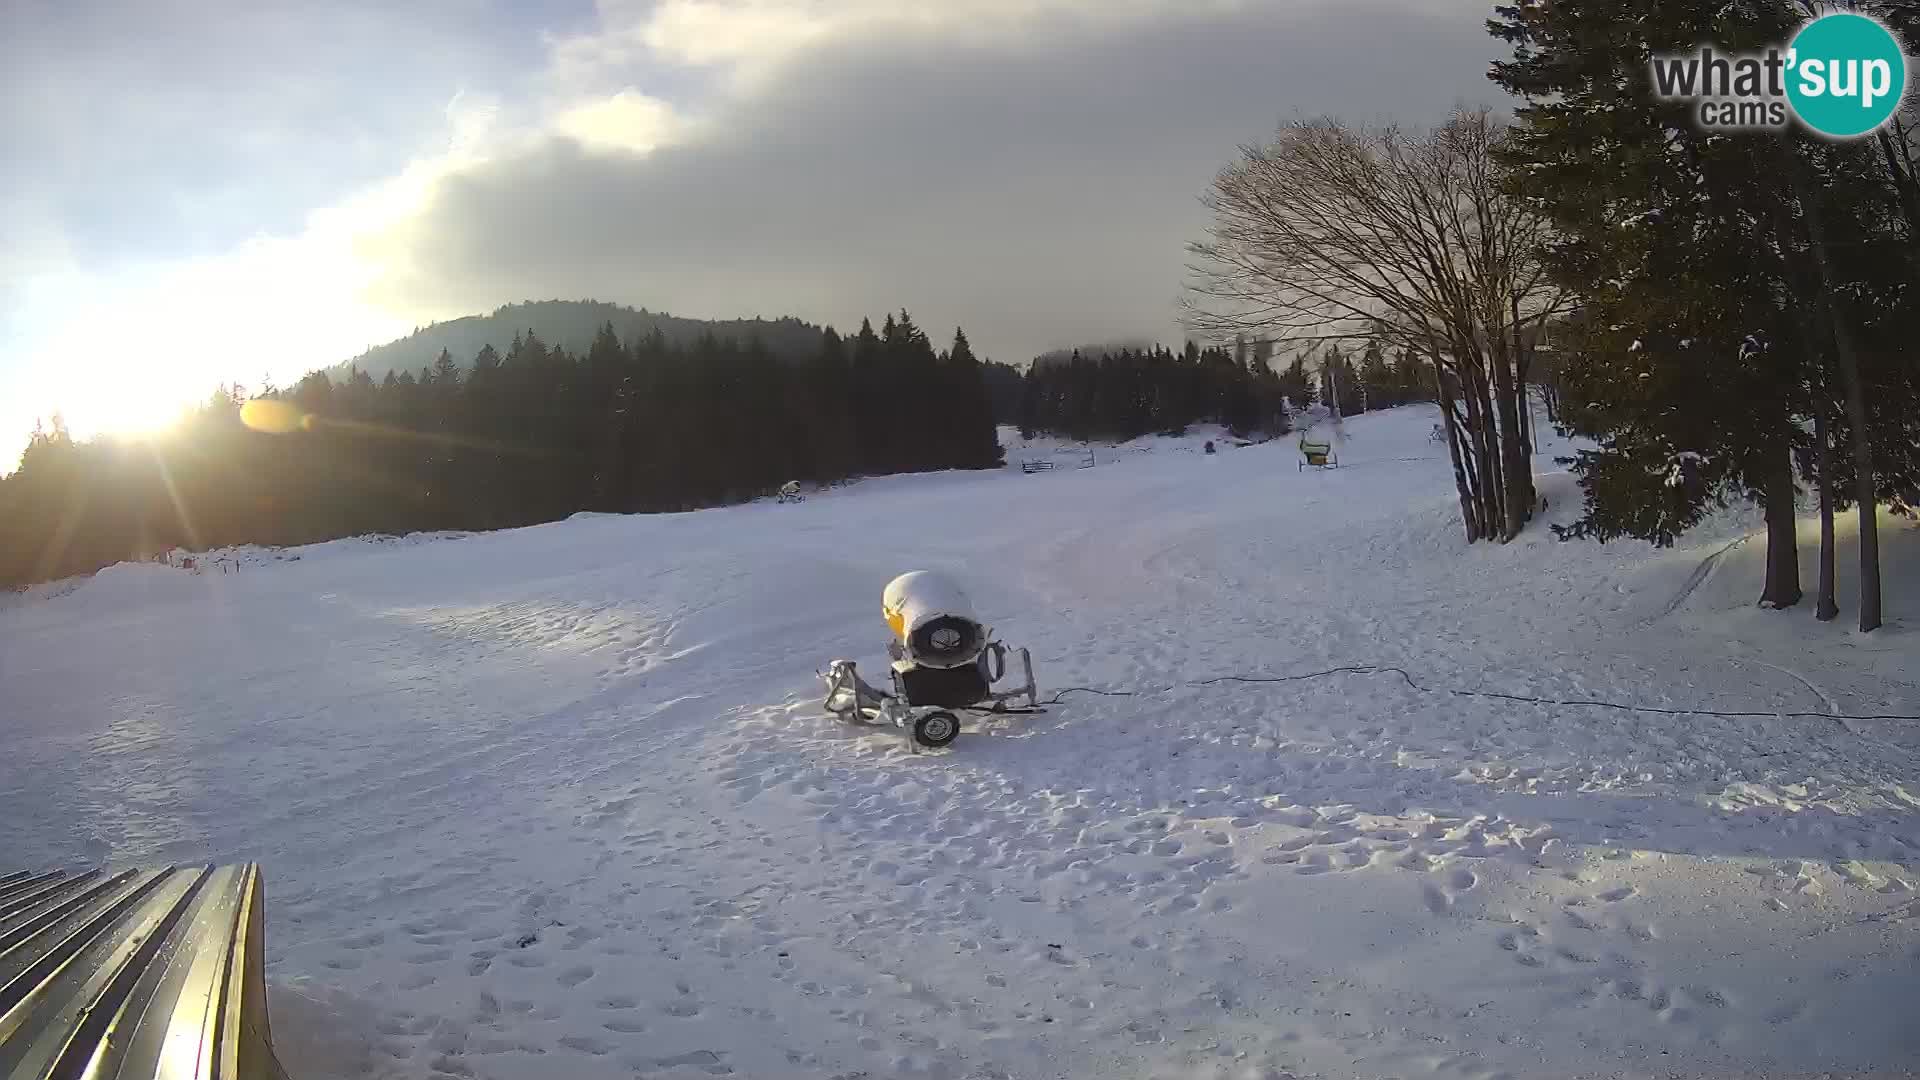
{"x": 497, "y": 441}
{"x": 536, "y": 434}
{"x": 1129, "y": 393}
{"x": 1126, "y": 393}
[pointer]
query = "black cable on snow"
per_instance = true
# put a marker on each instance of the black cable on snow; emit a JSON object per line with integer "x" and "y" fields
{"x": 1384, "y": 669}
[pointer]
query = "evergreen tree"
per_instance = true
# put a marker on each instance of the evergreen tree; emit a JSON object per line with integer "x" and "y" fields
{"x": 1125, "y": 393}
{"x": 873, "y": 391}
{"x": 444, "y": 371}
{"x": 1339, "y": 383}
{"x": 1739, "y": 293}
{"x": 1003, "y": 390}
{"x": 831, "y": 395}
{"x": 1298, "y": 386}
{"x": 969, "y": 406}
{"x": 1376, "y": 382}
{"x": 1413, "y": 379}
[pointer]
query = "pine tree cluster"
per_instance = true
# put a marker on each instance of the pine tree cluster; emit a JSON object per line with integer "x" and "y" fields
{"x": 1127, "y": 393}
{"x": 531, "y": 436}
{"x": 1746, "y": 307}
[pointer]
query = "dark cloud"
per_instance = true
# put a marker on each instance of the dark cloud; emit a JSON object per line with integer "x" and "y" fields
{"x": 1038, "y": 190}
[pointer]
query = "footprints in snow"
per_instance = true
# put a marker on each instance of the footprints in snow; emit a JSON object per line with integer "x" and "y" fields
{"x": 586, "y": 1044}
{"x": 1595, "y": 959}
{"x": 1441, "y": 897}
{"x": 625, "y": 1027}
{"x": 916, "y": 840}
{"x": 711, "y": 1062}
{"x": 1670, "y": 1005}
{"x": 1790, "y": 879}
{"x": 1337, "y": 843}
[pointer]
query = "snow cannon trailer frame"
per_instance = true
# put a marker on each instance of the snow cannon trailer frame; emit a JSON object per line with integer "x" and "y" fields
{"x": 943, "y": 662}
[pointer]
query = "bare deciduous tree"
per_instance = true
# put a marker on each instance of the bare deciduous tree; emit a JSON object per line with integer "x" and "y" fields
{"x": 1338, "y": 233}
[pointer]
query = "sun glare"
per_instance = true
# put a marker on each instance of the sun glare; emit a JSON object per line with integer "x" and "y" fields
{"x": 124, "y": 412}
{"x": 273, "y": 417}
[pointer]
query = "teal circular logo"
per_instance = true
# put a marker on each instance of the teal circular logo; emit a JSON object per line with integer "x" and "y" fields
{"x": 1846, "y": 76}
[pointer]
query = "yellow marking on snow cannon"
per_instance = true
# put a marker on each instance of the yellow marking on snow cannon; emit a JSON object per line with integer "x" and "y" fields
{"x": 933, "y": 620}
{"x": 1317, "y": 455}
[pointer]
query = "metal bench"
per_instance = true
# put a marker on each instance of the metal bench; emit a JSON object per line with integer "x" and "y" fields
{"x": 135, "y": 975}
{"x": 1036, "y": 466}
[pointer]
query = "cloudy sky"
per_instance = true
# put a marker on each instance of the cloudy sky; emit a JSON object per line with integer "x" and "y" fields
{"x": 207, "y": 191}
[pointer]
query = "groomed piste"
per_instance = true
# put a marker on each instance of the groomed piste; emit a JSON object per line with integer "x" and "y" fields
{"x": 562, "y": 801}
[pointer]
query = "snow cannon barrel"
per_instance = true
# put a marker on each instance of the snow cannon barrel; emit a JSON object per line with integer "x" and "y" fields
{"x": 933, "y": 620}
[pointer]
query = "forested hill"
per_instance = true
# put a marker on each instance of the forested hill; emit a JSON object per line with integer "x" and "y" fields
{"x": 531, "y": 435}
{"x": 570, "y": 325}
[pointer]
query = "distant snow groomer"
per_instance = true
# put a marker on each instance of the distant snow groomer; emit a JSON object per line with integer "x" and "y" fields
{"x": 943, "y": 659}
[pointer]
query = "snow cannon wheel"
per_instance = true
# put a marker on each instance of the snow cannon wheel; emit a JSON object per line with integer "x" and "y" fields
{"x": 936, "y": 729}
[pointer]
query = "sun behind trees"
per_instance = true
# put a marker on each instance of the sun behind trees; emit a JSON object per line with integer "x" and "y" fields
{"x": 531, "y": 436}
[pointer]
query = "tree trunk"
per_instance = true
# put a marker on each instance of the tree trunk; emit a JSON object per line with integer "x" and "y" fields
{"x": 1783, "y": 551}
{"x": 1471, "y": 451}
{"x": 1522, "y": 372}
{"x": 1477, "y": 481}
{"x": 1444, "y": 395}
{"x": 1866, "y": 495}
{"x": 1529, "y": 431}
{"x": 1486, "y": 456}
{"x": 1865, "y": 491}
{"x": 1512, "y": 440}
{"x": 1828, "y": 607}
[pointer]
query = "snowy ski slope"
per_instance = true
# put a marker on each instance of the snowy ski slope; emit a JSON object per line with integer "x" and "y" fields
{"x": 558, "y": 802}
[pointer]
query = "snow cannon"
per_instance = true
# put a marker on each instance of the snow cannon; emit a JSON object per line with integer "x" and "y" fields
{"x": 932, "y": 621}
{"x": 944, "y": 661}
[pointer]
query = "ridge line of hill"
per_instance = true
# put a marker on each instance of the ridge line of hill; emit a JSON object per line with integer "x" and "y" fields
{"x": 571, "y": 325}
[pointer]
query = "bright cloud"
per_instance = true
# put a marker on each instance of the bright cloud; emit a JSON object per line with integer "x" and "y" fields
{"x": 628, "y": 121}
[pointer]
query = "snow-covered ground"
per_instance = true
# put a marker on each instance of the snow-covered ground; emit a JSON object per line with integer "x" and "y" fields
{"x": 558, "y": 802}
{"x": 1070, "y": 454}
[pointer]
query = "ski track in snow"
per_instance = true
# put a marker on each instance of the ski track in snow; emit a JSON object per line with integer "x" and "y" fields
{"x": 560, "y": 802}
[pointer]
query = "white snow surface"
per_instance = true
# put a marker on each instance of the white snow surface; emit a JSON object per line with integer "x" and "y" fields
{"x": 1069, "y": 453}
{"x": 560, "y": 802}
